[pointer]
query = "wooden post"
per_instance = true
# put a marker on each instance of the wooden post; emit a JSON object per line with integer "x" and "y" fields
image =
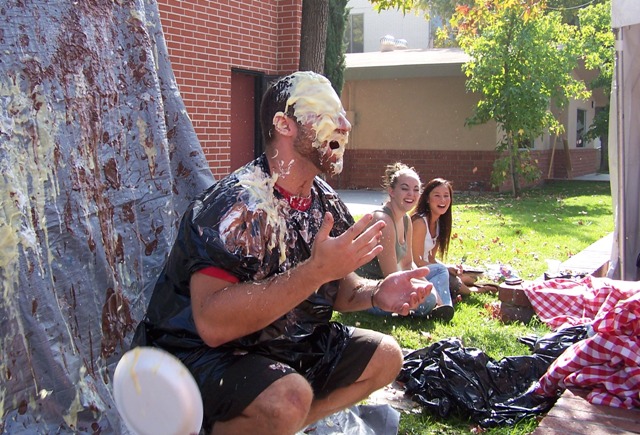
{"x": 553, "y": 152}
{"x": 566, "y": 152}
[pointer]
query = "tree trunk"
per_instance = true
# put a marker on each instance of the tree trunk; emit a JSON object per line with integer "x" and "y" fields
{"x": 514, "y": 166}
{"x": 313, "y": 40}
{"x": 604, "y": 154}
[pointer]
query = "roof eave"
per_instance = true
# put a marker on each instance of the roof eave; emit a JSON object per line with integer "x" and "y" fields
{"x": 403, "y": 71}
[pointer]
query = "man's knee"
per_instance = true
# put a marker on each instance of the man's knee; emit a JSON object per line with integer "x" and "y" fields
{"x": 395, "y": 352}
{"x": 389, "y": 359}
{"x": 286, "y": 402}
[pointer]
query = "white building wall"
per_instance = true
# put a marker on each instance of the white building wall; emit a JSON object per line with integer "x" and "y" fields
{"x": 414, "y": 29}
{"x": 572, "y": 121}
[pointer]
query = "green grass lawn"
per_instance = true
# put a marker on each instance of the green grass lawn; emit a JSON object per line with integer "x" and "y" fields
{"x": 554, "y": 221}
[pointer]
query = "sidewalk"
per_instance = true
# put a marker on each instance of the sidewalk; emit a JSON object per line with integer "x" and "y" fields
{"x": 593, "y": 177}
{"x": 363, "y": 201}
{"x": 574, "y": 415}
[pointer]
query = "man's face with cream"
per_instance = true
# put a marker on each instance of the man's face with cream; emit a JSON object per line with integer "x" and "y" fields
{"x": 323, "y": 127}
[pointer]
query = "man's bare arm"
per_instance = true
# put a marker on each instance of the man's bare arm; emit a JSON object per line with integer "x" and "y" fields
{"x": 400, "y": 292}
{"x": 223, "y": 312}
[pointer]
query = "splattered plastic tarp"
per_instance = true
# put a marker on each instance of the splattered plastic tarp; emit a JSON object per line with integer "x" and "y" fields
{"x": 447, "y": 378}
{"x": 98, "y": 160}
{"x": 357, "y": 420}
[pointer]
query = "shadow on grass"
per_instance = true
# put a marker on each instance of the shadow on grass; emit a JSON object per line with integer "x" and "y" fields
{"x": 386, "y": 324}
{"x": 473, "y": 323}
{"x": 476, "y": 327}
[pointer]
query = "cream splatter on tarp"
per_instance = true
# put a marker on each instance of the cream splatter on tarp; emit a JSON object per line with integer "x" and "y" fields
{"x": 98, "y": 160}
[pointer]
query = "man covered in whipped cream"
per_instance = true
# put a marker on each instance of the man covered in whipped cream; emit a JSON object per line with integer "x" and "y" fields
{"x": 261, "y": 261}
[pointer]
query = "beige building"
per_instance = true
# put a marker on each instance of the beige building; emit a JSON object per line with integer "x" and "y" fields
{"x": 411, "y": 105}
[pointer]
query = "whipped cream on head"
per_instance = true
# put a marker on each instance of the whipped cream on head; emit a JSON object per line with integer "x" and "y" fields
{"x": 317, "y": 104}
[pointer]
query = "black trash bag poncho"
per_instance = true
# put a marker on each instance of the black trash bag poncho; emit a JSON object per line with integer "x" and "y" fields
{"x": 246, "y": 228}
{"x": 447, "y": 378}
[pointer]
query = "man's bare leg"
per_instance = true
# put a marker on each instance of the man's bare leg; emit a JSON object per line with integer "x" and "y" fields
{"x": 383, "y": 369}
{"x": 280, "y": 409}
{"x": 286, "y": 406}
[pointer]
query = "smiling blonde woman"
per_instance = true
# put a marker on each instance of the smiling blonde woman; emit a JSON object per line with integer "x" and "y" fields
{"x": 403, "y": 185}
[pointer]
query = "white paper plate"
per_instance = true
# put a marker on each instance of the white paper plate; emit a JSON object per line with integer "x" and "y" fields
{"x": 156, "y": 394}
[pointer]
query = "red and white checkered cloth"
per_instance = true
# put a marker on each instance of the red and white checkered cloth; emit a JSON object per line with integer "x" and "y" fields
{"x": 608, "y": 362}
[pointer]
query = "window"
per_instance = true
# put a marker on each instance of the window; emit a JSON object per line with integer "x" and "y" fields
{"x": 527, "y": 143}
{"x": 581, "y": 128}
{"x": 354, "y": 34}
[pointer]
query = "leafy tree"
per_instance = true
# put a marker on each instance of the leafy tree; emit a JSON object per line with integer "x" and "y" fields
{"x": 570, "y": 9}
{"x": 334, "y": 60}
{"x": 522, "y": 63}
{"x": 590, "y": 19}
{"x": 400, "y": 5}
{"x": 444, "y": 9}
{"x": 599, "y": 53}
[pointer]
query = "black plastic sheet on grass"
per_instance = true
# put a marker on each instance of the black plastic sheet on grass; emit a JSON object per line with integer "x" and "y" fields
{"x": 448, "y": 379}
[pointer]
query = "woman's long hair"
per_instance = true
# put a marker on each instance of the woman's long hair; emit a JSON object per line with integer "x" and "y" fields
{"x": 444, "y": 221}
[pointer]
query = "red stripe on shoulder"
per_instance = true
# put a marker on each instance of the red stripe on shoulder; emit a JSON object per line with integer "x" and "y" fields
{"x": 216, "y": 272}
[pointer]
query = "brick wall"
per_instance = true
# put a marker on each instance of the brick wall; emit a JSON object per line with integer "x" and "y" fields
{"x": 468, "y": 170}
{"x": 583, "y": 161}
{"x": 206, "y": 39}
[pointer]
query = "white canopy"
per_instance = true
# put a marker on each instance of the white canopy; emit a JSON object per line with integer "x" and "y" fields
{"x": 624, "y": 136}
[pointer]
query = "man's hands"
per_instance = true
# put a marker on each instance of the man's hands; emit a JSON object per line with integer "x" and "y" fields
{"x": 401, "y": 292}
{"x": 336, "y": 257}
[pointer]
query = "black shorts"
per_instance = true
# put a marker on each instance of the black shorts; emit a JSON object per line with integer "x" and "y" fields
{"x": 248, "y": 375}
